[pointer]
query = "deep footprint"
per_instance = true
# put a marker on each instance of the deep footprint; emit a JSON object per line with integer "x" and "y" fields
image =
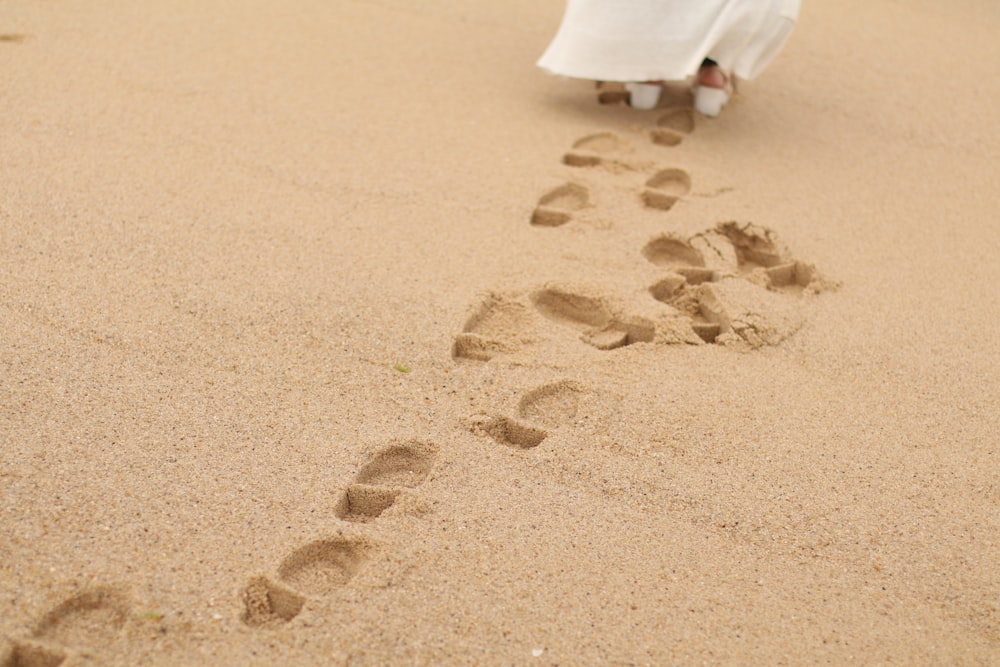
{"x": 763, "y": 260}
{"x": 665, "y": 187}
{"x": 322, "y": 567}
{"x": 381, "y": 480}
{"x": 598, "y": 325}
{"x": 510, "y": 432}
{"x": 676, "y": 291}
{"x": 556, "y": 207}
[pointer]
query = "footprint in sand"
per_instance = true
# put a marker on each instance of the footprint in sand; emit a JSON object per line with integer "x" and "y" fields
{"x": 556, "y": 207}
{"x": 728, "y": 280}
{"x": 548, "y": 406}
{"x": 595, "y": 149}
{"x": 82, "y": 625}
{"x": 29, "y": 654}
{"x": 672, "y": 126}
{"x": 611, "y": 92}
{"x": 377, "y": 485}
{"x": 763, "y": 260}
{"x": 512, "y": 323}
{"x": 320, "y": 568}
{"x": 552, "y": 404}
{"x": 317, "y": 569}
{"x": 509, "y": 432}
{"x": 496, "y": 327}
{"x": 665, "y": 187}
{"x": 593, "y": 317}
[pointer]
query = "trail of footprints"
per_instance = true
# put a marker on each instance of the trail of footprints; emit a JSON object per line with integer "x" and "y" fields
{"x": 727, "y": 284}
{"x": 320, "y": 568}
{"x": 84, "y": 625}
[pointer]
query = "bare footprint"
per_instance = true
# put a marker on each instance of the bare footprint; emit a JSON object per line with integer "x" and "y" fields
{"x": 665, "y": 187}
{"x": 594, "y": 149}
{"x": 556, "y": 207}
{"x": 321, "y": 568}
{"x": 551, "y": 404}
{"x": 381, "y": 480}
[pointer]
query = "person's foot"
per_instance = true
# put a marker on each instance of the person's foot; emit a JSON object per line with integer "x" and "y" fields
{"x": 644, "y": 95}
{"x": 712, "y": 89}
{"x": 712, "y": 76}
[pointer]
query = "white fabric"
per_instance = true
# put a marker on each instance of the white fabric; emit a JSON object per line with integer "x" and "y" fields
{"x": 650, "y": 40}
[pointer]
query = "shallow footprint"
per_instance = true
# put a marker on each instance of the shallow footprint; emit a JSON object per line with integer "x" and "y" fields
{"x": 557, "y": 206}
{"x": 672, "y": 126}
{"x": 493, "y": 329}
{"x": 496, "y": 327}
{"x": 320, "y": 568}
{"x": 551, "y": 404}
{"x": 85, "y": 622}
{"x": 592, "y": 150}
{"x": 29, "y": 654}
{"x": 665, "y": 187}
{"x": 381, "y": 480}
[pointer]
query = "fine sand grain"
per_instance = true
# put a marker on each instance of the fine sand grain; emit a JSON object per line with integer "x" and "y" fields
{"x": 336, "y": 333}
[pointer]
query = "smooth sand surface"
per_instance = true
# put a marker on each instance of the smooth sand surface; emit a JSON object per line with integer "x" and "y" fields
{"x": 336, "y": 333}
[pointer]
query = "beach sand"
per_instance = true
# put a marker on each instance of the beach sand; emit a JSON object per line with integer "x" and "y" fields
{"x": 337, "y": 333}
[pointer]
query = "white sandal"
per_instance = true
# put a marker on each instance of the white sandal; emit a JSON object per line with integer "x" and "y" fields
{"x": 643, "y": 95}
{"x": 709, "y": 100}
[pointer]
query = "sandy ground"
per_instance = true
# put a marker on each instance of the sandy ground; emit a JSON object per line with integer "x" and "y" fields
{"x": 289, "y": 376}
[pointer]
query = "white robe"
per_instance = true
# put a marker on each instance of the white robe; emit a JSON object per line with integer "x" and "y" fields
{"x": 652, "y": 40}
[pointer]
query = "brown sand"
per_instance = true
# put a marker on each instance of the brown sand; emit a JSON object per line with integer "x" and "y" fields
{"x": 241, "y": 243}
